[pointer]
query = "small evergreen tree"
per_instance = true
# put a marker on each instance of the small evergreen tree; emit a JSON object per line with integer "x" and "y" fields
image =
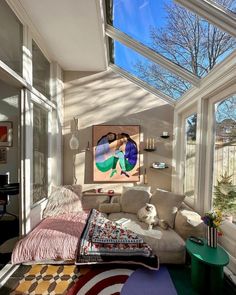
{"x": 225, "y": 194}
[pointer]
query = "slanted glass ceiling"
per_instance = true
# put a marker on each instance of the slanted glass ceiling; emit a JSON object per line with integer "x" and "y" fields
{"x": 228, "y": 4}
{"x": 149, "y": 72}
{"x": 172, "y": 31}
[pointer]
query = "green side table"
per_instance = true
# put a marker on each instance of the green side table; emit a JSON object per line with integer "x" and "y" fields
{"x": 207, "y": 267}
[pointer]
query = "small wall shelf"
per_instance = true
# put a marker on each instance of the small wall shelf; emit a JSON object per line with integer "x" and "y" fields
{"x": 164, "y": 136}
{"x": 159, "y": 168}
{"x": 150, "y": 150}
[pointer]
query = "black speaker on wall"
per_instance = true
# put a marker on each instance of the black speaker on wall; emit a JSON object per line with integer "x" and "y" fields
{"x": 3, "y": 179}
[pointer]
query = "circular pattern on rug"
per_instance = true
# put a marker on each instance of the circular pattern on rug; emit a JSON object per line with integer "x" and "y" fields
{"x": 101, "y": 281}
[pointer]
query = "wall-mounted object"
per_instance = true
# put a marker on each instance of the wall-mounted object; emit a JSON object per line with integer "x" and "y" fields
{"x": 6, "y": 133}
{"x": 150, "y": 144}
{"x": 116, "y": 153}
{"x": 74, "y": 142}
{"x": 88, "y": 147}
{"x": 3, "y": 155}
{"x": 159, "y": 165}
{"x": 165, "y": 134}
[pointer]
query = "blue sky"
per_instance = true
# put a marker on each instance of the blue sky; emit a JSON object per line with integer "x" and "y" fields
{"x": 135, "y": 17}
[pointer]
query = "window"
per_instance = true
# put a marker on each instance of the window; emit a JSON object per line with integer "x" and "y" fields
{"x": 224, "y": 167}
{"x": 228, "y": 4}
{"x": 149, "y": 72}
{"x": 41, "y": 71}
{"x": 190, "y": 156}
{"x": 11, "y": 38}
{"x": 173, "y": 31}
{"x": 40, "y": 153}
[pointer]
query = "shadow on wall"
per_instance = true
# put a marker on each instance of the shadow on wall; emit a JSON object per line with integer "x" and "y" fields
{"x": 106, "y": 98}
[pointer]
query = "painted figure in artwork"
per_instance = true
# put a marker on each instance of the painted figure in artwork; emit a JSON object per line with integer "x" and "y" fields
{"x": 116, "y": 148}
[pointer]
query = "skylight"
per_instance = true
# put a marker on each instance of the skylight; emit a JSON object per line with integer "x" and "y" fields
{"x": 173, "y": 32}
{"x": 227, "y": 4}
{"x": 149, "y": 72}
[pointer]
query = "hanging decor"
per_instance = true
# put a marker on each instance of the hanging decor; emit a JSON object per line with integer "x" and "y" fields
{"x": 5, "y": 134}
{"x": 116, "y": 153}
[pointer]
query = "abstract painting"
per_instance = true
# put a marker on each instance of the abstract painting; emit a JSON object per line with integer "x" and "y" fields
{"x": 116, "y": 153}
{"x": 5, "y": 133}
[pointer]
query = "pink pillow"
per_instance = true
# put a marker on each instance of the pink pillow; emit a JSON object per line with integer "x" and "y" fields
{"x": 62, "y": 201}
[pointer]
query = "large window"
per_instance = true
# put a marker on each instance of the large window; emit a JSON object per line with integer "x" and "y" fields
{"x": 11, "y": 36}
{"x": 149, "y": 72}
{"x": 41, "y": 71}
{"x": 190, "y": 156}
{"x": 224, "y": 171}
{"x": 179, "y": 36}
{"x": 40, "y": 153}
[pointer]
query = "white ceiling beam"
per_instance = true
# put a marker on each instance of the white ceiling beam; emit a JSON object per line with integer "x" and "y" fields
{"x": 212, "y": 12}
{"x": 142, "y": 84}
{"x": 152, "y": 55}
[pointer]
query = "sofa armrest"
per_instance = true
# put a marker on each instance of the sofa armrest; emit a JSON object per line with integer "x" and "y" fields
{"x": 189, "y": 223}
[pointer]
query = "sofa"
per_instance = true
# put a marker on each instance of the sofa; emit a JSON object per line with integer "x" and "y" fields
{"x": 168, "y": 245}
{"x": 67, "y": 210}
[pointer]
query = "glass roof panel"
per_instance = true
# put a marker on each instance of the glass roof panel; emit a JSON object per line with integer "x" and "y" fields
{"x": 148, "y": 71}
{"x": 173, "y": 31}
{"x": 228, "y": 4}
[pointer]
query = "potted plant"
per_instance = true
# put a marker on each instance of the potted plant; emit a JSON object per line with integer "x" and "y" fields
{"x": 225, "y": 196}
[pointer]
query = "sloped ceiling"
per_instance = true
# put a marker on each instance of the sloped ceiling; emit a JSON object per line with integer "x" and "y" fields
{"x": 71, "y": 31}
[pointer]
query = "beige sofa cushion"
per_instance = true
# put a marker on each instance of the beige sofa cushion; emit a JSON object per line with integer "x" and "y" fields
{"x": 167, "y": 205}
{"x": 109, "y": 208}
{"x": 132, "y": 200}
{"x": 189, "y": 223}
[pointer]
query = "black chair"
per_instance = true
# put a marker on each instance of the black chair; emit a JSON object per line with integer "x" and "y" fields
{"x": 6, "y": 190}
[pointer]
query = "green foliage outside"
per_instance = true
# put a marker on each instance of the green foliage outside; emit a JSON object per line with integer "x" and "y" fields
{"x": 225, "y": 195}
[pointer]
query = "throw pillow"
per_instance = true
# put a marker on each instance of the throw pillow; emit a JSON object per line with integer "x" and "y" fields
{"x": 189, "y": 223}
{"x": 132, "y": 200}
{"x": 137, "y": 187}
{"x": 167, "y": 205}
{"x": 62, "y": 201}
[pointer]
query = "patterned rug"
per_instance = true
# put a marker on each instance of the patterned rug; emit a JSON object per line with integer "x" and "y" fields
{"x": 102, "y": 280}
{"x": 42, "y": 280}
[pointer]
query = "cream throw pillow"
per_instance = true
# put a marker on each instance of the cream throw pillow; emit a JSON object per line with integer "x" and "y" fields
{"x": 167, "y": 205}
{"x": 62, "y": 201}
{"x": 189, "y": 223}
{"x": 132, "y": 200}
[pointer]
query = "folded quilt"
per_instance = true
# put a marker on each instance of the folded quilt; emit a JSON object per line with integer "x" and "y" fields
{"x": 104, "y": 241}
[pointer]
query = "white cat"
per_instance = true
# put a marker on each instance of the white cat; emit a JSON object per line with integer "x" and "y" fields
{"x": 148, "y": 214}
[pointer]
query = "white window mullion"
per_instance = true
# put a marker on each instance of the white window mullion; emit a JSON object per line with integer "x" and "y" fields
{"x": 215, "y": 14}
{"x": 202, "y": 117}
{"x": 27, "y": 56}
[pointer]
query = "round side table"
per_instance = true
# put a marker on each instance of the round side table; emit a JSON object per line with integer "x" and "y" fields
{"x": 207, "y": 267}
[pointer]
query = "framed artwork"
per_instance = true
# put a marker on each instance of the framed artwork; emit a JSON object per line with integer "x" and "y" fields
{"x": 3, "y": 155}
{"x": 116, "y": 153}
{"x": 5, "y": 133}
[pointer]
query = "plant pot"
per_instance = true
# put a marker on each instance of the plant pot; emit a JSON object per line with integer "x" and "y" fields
{"x": 212, "y": 236}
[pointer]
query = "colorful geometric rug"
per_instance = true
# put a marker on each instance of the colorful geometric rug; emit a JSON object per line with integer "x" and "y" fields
{"x": 123, "y": 281}
{"x": 103, "y": 281}
{"x": 41, "y": 280}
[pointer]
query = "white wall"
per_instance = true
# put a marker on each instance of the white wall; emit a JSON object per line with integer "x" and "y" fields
{"x": 107, "y": 98}
{"x": 9, "y": 102}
